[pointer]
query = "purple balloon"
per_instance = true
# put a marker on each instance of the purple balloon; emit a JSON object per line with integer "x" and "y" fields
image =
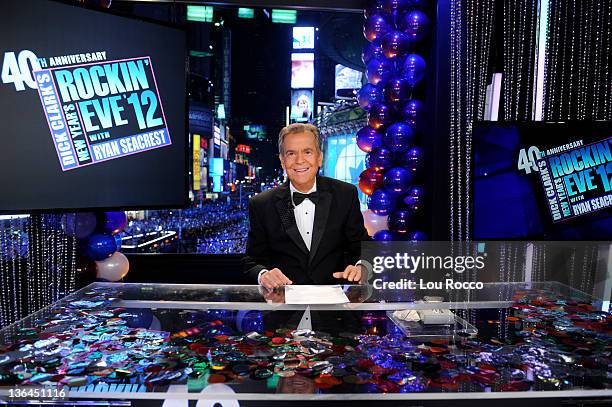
{"x": 379, "y": 71}
{"x": 383, "y": 236}
{"x": 395, "y": 44}
{"x": 381, "y": 202}
{"x": 113, "y": 222}
{"x": 396, "y": 90}
{"x": 400, "y": 222}
{"x": 380, "y": 116}
{"x": 417, "y": 236}
{"x": 374, "y": 7}
{"x": 376, "y": 26}
{"x": 370, "y": 95}
{"x": 413, "y": 69}
{"x": 413, "y": 113}
{"x": 372, "y": 50}
{"x": 381, "y": 157}
{"x": 395, "y": 7}
{"x": 398, "y": 137}
{"x": 398, "y": 180}
{"x": 81, "y": 224}
{"x": 369, "y": 139}
{"x": 415, "y": 25}
{"x": 413, "y": 159}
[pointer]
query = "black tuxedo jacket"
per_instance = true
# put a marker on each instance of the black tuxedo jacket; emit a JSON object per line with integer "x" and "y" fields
{"x": 275, "y": 241}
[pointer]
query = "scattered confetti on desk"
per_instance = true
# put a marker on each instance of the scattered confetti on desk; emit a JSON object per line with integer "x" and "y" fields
{"x": 551, "y": 344}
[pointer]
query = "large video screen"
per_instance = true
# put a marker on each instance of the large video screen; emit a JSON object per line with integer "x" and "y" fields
{"x": 542, "y": 180}
{"x": 302, "y": 70}
{"x": 303, "y": 37}
{"x": 348, "y": 81}
{"x": 93, "y": 110}
{"x": 302, "y": 102}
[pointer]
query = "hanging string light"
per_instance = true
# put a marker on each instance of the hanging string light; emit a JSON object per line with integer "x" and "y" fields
{"x": 471, "y": 38}
{"x": 577, "y": 83}
{"x": 37, "y": 265}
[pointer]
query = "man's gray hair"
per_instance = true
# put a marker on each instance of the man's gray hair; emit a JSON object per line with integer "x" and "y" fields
{"x": 298, "y": 128}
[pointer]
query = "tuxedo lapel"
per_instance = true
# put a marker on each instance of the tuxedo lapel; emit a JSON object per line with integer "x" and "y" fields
{"x": 284, "y": 208}
{"x": 320, "y": 220}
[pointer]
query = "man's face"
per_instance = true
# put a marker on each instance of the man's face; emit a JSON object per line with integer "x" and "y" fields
{"x": 301, "y": 159}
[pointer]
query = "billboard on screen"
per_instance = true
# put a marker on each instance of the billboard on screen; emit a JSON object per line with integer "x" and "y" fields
{"x": 302, "y": 102}
{"x": 303, "y": 37}
{"x": 302, "y": 70}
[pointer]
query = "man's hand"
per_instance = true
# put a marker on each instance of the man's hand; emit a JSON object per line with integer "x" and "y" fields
{"x": 273, "y": 296}
{"x": 350, "y": 273}
{"x": 274, "y": 278}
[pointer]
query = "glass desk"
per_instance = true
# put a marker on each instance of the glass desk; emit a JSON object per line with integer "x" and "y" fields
{"x": 138, "y": 342}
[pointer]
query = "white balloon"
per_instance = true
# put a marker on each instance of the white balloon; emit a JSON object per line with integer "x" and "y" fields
{"x": 114, "y": 268}
{"x": 373, "y": 222}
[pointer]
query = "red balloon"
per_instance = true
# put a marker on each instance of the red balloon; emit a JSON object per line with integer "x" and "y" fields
{"x": 370, "y": 180}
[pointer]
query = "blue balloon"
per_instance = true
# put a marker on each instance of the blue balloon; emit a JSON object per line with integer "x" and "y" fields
{"x": 395, "y": 7}
{"x": 381, "y": 202}
{"x": 413, "y": 159}
{"x": 413, "y": 200}
{"x": 380, "y": 116}
{"x": 374, "y": 7}
{"x": 249, "y": 321}
{"x": 383, "y": 236}
{"x": 416, "y": 191}
{"x": 138, "y": 317}
{"x": 413, "y": 113}
{"x": 412, "y": 203}
{"x": 417, "y": 236}
{"x": 400, "y": 222}
{"x": 398, "y": 180}
{"x": 396, "y": 90}
{"x": 376, "y": 26}
{"x": 370, "y": 95}
{"x": 369, "y": 139}
{"x": 100, "y": 246}
{"x": 372, "y": 50}
{"x": 398, "y": 137}
{"x": 379, "y": 71}
{"x": 418, "y": 3}
{"x": 415, "y": 25}
{"x": 395, "y": 44}
{"x": 413, "y": 69}
{"x": 381, "y": 157}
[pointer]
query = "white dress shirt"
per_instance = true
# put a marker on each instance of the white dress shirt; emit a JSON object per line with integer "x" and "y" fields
{"x": 304, "y": 215}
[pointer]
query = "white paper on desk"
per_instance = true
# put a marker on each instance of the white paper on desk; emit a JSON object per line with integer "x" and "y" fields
{"x": 315, "y": 294}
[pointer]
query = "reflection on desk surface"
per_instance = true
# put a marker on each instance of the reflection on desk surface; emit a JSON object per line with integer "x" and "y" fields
{"x": 542, "y": 341}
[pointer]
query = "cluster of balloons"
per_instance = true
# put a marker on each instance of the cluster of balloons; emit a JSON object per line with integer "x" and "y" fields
{"x": 392, "y": 27}
{"x": 99, "y": 242}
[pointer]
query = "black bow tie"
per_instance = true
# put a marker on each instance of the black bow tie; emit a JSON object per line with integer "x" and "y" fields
{"x": 298, "y": 198}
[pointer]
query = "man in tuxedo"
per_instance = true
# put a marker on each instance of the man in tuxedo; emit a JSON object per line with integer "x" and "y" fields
{"x": 308, "y": 230}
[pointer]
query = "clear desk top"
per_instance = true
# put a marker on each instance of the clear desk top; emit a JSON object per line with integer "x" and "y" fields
{"x": 361, "y": 297}
{"x": 219, "y": 342}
